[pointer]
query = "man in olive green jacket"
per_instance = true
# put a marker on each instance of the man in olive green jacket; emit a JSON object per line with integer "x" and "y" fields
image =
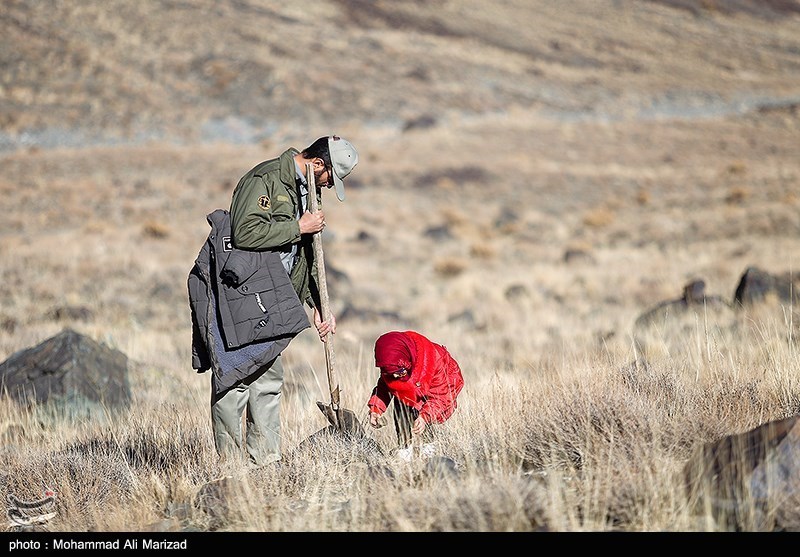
{"x": 269, "y": 211}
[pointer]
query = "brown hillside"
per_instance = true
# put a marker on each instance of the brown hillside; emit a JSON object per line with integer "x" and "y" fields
{"x": 656, "y": 139}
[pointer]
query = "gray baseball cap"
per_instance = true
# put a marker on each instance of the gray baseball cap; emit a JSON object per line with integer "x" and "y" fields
{"x": 344, "y": 158}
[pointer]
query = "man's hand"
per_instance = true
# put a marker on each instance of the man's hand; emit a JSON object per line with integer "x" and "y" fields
{"x": 311, "y": 223}
{"x": 419, "y": 426}
{"x": 324, "y": 327}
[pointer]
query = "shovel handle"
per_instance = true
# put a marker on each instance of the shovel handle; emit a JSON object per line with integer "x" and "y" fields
{"x": 325, "y": 311}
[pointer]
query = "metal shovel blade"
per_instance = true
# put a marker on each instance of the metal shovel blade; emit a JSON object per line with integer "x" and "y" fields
{"x": 343, "y": 420}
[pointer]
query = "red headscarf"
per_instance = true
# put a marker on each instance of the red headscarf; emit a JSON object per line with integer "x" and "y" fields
{"x": 395, "y": 351}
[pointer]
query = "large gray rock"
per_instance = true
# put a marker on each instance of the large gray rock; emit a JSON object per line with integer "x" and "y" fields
{"x": 68, "y": 367}
{"x": 750, "y": 480}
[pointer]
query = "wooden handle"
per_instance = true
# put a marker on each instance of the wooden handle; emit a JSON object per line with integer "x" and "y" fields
{"x": 325, "y": 310}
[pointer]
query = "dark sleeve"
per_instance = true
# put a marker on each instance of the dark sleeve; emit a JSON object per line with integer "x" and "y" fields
{"x": 200, "y": 358}
{"x": 380, "y": 398}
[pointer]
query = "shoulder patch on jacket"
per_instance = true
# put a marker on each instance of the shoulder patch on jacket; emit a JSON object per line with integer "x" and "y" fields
{"x": 264, "y": 202}
{"x": 282, "y": 198}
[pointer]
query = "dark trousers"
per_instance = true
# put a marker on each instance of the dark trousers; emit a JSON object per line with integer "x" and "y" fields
{"x": 404, "y": 417}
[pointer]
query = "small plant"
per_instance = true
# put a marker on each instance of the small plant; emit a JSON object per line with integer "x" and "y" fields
{"x": 598, "y": 217}
{"x": 450, "y": 267}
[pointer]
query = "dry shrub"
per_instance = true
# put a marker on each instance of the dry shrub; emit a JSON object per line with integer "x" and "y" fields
{"x": 643, "y": 196}
{"x": 445, "y": 183}
{"x": 453, "y": 216}
{"x": 221, "y": 75}
{"x": 482, "y": 250}
{"x": 737, "y": 168}
{"x": 450, "y": 267}
{"x": 155, "y": 230}
{"x": 579, "y": 246}
{"x": 737, "y": 195}
{"x": 598, "y": 217}
{"x": 449, "y": 177}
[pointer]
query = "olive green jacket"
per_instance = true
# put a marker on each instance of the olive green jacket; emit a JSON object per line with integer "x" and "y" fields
{"x": 264, "y": 217}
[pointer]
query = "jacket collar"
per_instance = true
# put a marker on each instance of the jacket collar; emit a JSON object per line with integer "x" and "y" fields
{"x": 288, "y": 168}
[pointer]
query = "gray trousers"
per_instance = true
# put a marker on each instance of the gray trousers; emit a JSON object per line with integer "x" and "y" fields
{"x": 259, "y": 398}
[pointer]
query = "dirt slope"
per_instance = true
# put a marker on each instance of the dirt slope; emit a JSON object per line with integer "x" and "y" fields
{"x": 656, "y": 140}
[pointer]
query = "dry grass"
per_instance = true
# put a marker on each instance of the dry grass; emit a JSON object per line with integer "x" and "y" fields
{"x": 563, "y": 184}
{"x": 575, "y": 441}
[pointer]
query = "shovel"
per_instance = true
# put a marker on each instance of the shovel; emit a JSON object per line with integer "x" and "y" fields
{"x": 341, "y": 419}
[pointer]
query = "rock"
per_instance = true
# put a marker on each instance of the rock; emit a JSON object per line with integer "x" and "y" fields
{"x": 693, "y": 297}
{"x": 577, "y": 255}
{"x": 466, "y": 317}
{"x": 669, "y": 324}
{"x": 441, "y": 467}
{"x": 338, "y": 281}
{"x": 439, "y": 233}
{"x": 351, "y": 312}
{"x": 348, "y": 444}
{"x": 217, "y": 498}
{"x": 424, "y": 121}
{"x": 365, "y": 237}
{"x": 507, "y": 219}
{"x": 347, "y": 447}
{"x": 750, "y": 480}
{"x": 378, "y": 472}
{"x": 756, "y": 285}
{"x": 68, "y": 367}
{"x": 516, "y": 292}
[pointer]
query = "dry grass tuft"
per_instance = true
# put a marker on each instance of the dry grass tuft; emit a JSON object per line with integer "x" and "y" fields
{"x": 737, "y": 195}
{"x": 483, "y": 250}
{"x": 598, "y": 217}
{"x": 450, "y": 267}
{"x": 156, "y": 230}
{"x": 738, "y": 168}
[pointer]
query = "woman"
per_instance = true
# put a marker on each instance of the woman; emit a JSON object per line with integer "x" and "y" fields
{"x": 422, "y": 378}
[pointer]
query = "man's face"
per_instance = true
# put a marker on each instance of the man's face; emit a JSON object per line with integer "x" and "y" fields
{"x": 323, "y": 175}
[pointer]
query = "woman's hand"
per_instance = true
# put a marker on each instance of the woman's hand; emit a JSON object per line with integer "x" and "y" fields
{"x": 419, "y": 426}
{"x": 376, "y": 421}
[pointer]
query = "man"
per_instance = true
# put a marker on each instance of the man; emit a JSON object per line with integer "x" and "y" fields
{"x": 269, "y": 213}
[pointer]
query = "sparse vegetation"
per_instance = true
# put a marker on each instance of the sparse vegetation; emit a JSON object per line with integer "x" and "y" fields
{"x": 561, "y": 186}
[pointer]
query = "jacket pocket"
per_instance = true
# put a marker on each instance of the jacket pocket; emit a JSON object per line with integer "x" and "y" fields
{"x": 253, "y": 307}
